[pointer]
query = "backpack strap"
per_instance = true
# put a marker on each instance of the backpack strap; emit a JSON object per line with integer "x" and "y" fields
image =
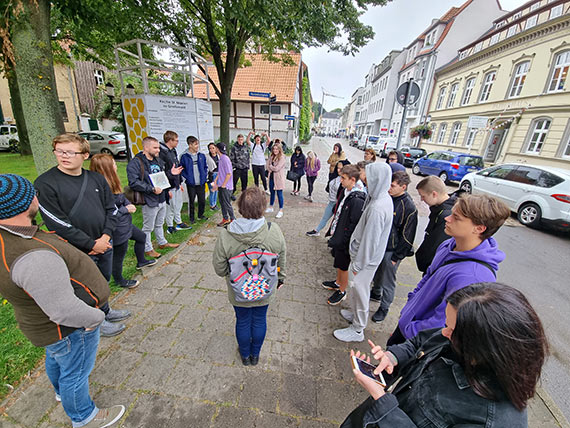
{"x": 80, "y": 196}
{"x": 481, "y": 262}
{"x": 268, "y": 225}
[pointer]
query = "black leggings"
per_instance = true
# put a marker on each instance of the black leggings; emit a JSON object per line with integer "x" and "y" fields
{"x": 119, "y": 252}
{"x": 297, "y": 185}
{"x": 259, "y": 171}
{"x": 310, "y": 182}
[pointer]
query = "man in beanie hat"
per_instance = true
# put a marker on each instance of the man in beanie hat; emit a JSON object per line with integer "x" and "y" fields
{"x": 56, "y": 291}
{"x": 224, "y": 184}
{"x": 79, "y": 206}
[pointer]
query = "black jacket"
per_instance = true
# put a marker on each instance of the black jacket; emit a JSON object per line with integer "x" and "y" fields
{"x": 124, "y": 230}
{"x": 145, "y": 185}
{"x": 170, "y": 159}
{"x": 300, "y": 160}
{"x": 435, "y": 233}
{"x": 401, "y": 241}
{"x": 95, "y": 215}
{"x": 433, "y": 392}
{"x": 347, "y": 221}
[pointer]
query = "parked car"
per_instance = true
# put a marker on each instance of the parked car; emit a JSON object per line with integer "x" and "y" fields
{"x": 538, "y": 194}
{"x": 362, "y": 141}
{"x": 449, "y": 166}
{"x": 387, "y": 145}
{"x": 373, "y": 143}
{"x": 411, "y": 154}
{"x": 112, "y": 143}
{"x": 7, "y": 133}
{"x": 353, "y": 142}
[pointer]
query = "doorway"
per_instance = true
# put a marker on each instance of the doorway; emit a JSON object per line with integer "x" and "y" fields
{"x": 495, "y": 143}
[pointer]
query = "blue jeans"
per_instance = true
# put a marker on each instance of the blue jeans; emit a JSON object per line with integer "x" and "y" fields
{"x": 273, "y": 191}
{"x": 251, "y": 325}
{"x": 326, "y": 216}
{"x": 213, "y": 196}
{"x": 69, "y": 362}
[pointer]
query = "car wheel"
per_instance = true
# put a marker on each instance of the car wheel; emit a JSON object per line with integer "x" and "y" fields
{"x": 416, "y": 170}
{"x": 466, "y": 187}
{"x": 444, "y": 177}
{"x": 530, "y": 214}
{"x": 107, "y": 152}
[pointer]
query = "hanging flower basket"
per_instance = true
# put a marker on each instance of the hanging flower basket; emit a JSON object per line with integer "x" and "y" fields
{"x": 422, "y": 131}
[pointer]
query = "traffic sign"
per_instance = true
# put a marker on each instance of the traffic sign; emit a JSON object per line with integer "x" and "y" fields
{"x": 289, "y": 117}
{"x": 477, "y": 122}
{"x": 260, "y": 94}
{"x": 273, "y": 99}
{"x": 403, "y": 90}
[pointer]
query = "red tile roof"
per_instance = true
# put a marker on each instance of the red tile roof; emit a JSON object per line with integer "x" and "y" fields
{"x": 261, "y": 76}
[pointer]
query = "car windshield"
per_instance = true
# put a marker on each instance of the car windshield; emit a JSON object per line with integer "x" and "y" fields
{"x": 471, "y": 161}
{"x": 416, "y": 152}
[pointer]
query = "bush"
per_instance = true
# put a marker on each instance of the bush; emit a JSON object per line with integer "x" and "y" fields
{"x": 14, "y": 146}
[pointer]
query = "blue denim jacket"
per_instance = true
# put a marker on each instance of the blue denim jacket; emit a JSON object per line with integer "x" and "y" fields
{"x": 433, "y": 392}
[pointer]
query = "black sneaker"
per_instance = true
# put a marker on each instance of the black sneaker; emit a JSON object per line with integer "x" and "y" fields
{"x": 146, "y": 263}
{"x": 330, "y": 285}
{"x": 375, "y": 297}
{"x": 379, "y": 315}
{"x": 233, "y": 198}
{"x": 337, "y": 297}
{"x": 183, "y": 226}
{"x": 254, "y": 360}
{"x": 312, "y": 233}
{"x": 130, "y": 283}
{"x": 170, "y": 230}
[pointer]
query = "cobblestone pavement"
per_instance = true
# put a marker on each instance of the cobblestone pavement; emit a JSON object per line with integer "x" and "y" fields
{"x": 177, "y": 363}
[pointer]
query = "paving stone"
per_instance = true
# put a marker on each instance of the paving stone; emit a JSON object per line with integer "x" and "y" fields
{"x": 171, "y": 271}
{"x": 272, "y": 420}
{"x": 314, "y": 313}
{"x": 190, "y": 415}
{"x": 161, "y": 313}
{"x": 218, "y": 322}
{"x": 110, "y": 396}
{"x": 335, "y": 400}
{"x": 304, "y": 333}
{"x": 159, "y": 340}
{"x": 223, "y": 384}
{"x": 222, "y": 350}
{"x": 312, "y": 423}
{"x": 292, "y": 310}
{"x": 298, "y": 395}
{"x": 278, "y": 329}
{"x": 132, "y": 336}
{"x": 217, "y": 300}
{"x": 152, "y": 373}
{"x": 42, "y": 397}
{"x": 304, "y": 294}
{"x": 213, "y": 282}
{"x": 156, "y": 281}
{"x": 191, "y": 344}
{"x": 189, "y": 378}
{"x": 190, "y": 296}
{"x": 190, "y": 317}
{"x": 4, "y": 423}
{"x": 114, "y": 369}
{"x": 150, "y": 410}
{"x": 233, "y": 417}
{"x": 260, "y": 391}
{"x": 166, "y": 295}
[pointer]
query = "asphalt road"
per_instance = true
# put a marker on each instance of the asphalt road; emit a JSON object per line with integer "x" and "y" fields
{"x": 537, "y": 263}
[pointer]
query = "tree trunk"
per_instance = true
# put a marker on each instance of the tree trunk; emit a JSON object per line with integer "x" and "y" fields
{"x": 18, "y": 113}
{"x": 225, "y": 110}
{"x": 36, "y": 79}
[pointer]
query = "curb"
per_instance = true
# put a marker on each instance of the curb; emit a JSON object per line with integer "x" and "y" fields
{"x": 552, "y": 407}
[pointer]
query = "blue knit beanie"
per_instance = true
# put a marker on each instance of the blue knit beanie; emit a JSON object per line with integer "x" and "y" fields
{"x": 16, "y": 195}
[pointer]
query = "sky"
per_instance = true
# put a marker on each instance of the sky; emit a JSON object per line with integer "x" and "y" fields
{"x": 396, "y": 25}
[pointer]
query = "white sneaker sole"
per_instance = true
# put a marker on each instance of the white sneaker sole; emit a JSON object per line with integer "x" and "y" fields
{"x": 119, "y": 416}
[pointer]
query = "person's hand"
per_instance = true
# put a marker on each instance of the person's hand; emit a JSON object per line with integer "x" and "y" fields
{"x": 387, "y": 361}
{"x": 176, "y": 170}
{"x": 89, "y": 329}
{"x": 170, "y": 195}
{"x": 214, "y": 187}
{"x": 374, "y": 388}
{"x": 394, "y": 263}
{"x": 131, "y": 208}
{"x": 101, "y": 245}
{"x": 157, "y": 190}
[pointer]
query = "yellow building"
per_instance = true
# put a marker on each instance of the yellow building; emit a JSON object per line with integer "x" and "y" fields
{"x": 516, "y": 75}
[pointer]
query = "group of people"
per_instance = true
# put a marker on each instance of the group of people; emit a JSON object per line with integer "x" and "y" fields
{"x": 466, "y": 350}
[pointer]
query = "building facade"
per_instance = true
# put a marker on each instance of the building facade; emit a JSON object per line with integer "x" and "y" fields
{"x": 331, "y": 123}
{"x": 516, "y": 75}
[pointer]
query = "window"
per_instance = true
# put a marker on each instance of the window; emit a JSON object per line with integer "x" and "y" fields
{"x": 440, "y": 98}
{"x": 566, "y": 151}
{"x": 63, "y": 110}
{"x": 525, "y": 175}
{"x": 470, "y": 137}
{"x": 531, "y": 22}
{"x": 499, "y": 171}
{"x": 539, "y": 131}
{"x": 274, "y": 109}
{"x": 561, "y": 65}
{"x": 512, "y": 31}
{"x": 471, "y": 161}
{"x": 495, "y": 38}
{"x": 423, "y": 69}
{"x": 469, "y": 85}
{"x": 455, "y": 133}
{"x": 519, "y": 77}
{"x": 452, "y": 95}
{"x": 478, "y": 47}
{"x": 535, "y": 6}
{"x": 357, "y": 116}
{"x": 556, "y": 11}
{"x": 441, "y": 135}
{"x": 487, "y": 86}
{"x": 99, "y": 77}
{"x": 462, "y": 55}
{"x": 548, "y": 179}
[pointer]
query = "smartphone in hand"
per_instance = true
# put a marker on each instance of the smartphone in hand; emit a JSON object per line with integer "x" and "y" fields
{"x": 367, "y": 369}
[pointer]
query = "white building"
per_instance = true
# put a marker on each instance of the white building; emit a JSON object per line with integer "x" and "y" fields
{"x": 360, "y": 110}
{"x": 330, "y": 123}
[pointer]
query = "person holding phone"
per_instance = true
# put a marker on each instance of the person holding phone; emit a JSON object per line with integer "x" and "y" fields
{"x": 480, "y": 370}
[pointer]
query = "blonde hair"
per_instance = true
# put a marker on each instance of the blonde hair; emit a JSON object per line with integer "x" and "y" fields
{"x": 311, "y": 156}
{"x": 72, "y": 138}
{"x": 432, "y": 183}
{"x": 280, "y": 154}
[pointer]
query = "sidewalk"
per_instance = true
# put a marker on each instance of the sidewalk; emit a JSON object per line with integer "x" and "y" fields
{"x": 177, "y": 364}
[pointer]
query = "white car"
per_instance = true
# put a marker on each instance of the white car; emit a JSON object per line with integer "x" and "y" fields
{"x": 387, "y": 145}
{"x": 111, "y": 143}
{"x": 7, "y": 133}
{"x": 362, "y": 141}
{"x": 538, "y": 194}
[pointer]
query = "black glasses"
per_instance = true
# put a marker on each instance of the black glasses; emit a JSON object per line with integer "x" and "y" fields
{"x": 66, "y": 153}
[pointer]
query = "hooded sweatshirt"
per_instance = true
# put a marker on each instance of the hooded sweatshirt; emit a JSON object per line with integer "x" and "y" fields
{"x": 242, "y": 234}
{"x": 426, "y": 304}
{"x": 369, "y": 239}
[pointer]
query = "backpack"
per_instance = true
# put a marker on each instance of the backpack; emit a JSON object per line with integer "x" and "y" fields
{"x": 481, "y": 262}
{"x": 254, "y": 274}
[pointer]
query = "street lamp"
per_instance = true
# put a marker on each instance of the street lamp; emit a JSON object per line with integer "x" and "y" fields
{"x": 110, "y": 92}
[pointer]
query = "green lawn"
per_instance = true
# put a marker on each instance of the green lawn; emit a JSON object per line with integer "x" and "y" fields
{"x": 17, "y": 354}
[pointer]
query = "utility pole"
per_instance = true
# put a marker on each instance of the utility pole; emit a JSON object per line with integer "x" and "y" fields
{"x": 325, "y": 94}
{"x": 272, "y": 99}
{"x": 400, "y": 131}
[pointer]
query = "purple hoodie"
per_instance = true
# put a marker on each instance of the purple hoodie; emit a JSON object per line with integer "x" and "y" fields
{"x": 225, "y": 168}
{"x": 426, "y": 304}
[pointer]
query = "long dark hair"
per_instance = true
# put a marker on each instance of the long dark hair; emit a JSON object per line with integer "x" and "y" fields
{"x": 498, "y": 338}
{"x": 339, "y": 148}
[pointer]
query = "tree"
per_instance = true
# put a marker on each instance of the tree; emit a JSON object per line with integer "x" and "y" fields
{"x": 337, "y": 110}
{"x": 305, "y": 119}
{"x": 317, "y": 111}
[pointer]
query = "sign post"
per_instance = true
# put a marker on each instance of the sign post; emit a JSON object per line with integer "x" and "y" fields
{"x": 272, "y": 99}
{"x": 407, "y": 94}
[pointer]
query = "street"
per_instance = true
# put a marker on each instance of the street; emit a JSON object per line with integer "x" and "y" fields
{"x": 537, "y": 264}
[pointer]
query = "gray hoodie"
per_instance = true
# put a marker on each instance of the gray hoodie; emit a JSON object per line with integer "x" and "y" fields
{"x": 369, "y": 239}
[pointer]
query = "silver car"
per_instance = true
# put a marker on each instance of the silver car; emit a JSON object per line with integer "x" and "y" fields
{"x": 112, "y": 143}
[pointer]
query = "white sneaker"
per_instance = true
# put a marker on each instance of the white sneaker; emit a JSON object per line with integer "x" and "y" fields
{"x": 279, "y": 214}
{"x": 349, "y": 334}
{"x": 347, "y": 315}
{"x": 267, "y": 192}
{"x": 58, "y": 398}
{"x": 269, "y": 210}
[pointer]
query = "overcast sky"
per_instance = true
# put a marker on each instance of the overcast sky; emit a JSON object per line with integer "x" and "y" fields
{"x": 396, "y": 25}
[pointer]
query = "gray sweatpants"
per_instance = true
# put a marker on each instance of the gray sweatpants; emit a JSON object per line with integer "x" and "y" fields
{"x": 385, "y": 281}
{"x": 153, "y": 220}
{"x": 173, "y": 208}
{"x": 359, "y": 296}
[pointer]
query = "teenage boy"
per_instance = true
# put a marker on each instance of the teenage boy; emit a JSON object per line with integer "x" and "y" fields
{"x": 174, "y": 204}
{"x": 54, "y": 289}
{"x": 239, "y": 155}
{"x": 79, "y": 206}
{"x": 470, "y": 256}
{"x": 396, "y": 161}
{"x": 195, "y": 173}
{"x": 367, "y": 246}
{"x": 153, "y": 211}
{"x": 433, "y": 192}
{"x": 400, "y": 244}
{"x": 258, "y": 146}
{"x": 224, "y": 185}
{"x": 350, "y": 211}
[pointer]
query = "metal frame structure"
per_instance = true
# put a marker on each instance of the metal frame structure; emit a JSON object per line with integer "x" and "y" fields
{"x": 142, "y": 65}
